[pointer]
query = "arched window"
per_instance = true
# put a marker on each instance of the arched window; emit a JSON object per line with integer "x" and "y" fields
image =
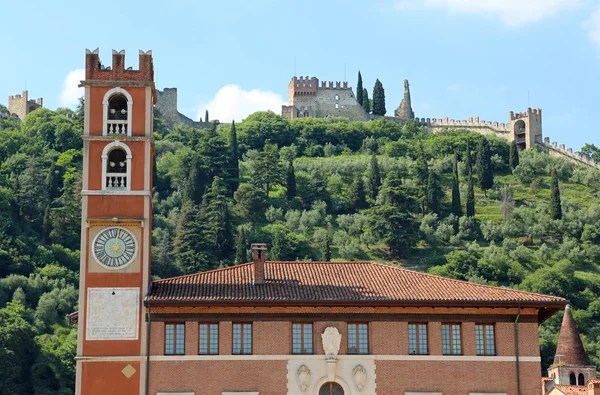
{"x": 580, "y": 379}
{"x": 337, "y": 97}
{"x": 116, "y": 167}
{"x": 331, "y": 388}
{"x": 117, "y": 105}
{"x": 572, "y": 379}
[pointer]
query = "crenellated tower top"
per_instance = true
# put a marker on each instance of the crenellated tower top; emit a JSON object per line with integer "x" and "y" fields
{"x": 96, "y": 71}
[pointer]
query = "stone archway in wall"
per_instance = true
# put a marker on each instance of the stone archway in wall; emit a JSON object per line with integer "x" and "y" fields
{"x": 520, "y": 134}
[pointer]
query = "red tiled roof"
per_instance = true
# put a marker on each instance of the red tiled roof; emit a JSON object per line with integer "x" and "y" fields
{"x": 571, "y": 389}
{"x": 335, "y": 282}
{"x": 569, "y": 350}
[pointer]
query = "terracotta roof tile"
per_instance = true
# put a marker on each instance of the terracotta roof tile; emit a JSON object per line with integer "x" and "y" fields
{"x": 571, "y": 389}
{"x": 363, "y": 282}
{"x": 569, "y": 350}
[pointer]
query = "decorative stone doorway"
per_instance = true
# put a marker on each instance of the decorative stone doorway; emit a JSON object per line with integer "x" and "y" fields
{"x": 331, "y": 388}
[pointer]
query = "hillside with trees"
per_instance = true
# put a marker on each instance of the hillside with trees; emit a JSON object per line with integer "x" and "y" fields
{"x": 454, "y": 203}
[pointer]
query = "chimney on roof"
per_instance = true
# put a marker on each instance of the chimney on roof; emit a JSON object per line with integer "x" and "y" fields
{"x": 259, "y": 256}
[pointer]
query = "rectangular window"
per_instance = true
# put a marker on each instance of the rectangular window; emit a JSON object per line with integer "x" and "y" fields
{"x": 209, "y": 339}
{"x": 451, "y": 342}
{"x": 302, "y": 338}
{"x": 417, "y": 339}
{"x": 175, "y": 339}
{"x": 484, "y": 336}
{"x": 358, "y": 339}
{"x": 242, "y": 338}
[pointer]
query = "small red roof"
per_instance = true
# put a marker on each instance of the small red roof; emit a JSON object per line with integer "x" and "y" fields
{"x": 569, "y": 350}
{"x": 337, "y": 283}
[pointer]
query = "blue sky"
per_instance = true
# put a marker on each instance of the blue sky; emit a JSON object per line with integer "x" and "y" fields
{"x": 463, "y": 57}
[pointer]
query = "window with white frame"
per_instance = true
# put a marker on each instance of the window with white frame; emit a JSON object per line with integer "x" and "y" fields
{"x": 116, "y": 167}
{"x": 117, "y": 106}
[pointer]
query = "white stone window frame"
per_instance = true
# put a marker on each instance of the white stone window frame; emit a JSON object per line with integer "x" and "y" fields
{"x": 106, "y": 99}
{"x": 110, "y": 147}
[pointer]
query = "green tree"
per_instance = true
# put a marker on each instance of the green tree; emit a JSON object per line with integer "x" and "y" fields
{"x": 65, "y": 217}
{"x": 326, "y": 246}
{"x": 555, "y": 203}
{"x": 485, "y": 171}
{"x": 193, "y": 251}
{"x": 196, "y": 182}
{"x": 234, "y": 158}
{"x": 218, "y": 217}
{"x": 241, "y": 247}
{"x": 32, "y": 194}
{"x": 206, "y": 116}
{"x": 366, "y": 104}
{"x": 456, "y": 205}
{"x": 422, "y": 170}
{"x": 374, "y": 177}
{"x": 434, "y": 193}
{"x": 251, "y": 202}
{"x": 359, "y": 89}
{"x": 392, "y": 219}
{"x": 291, "y": 181}
{"x": 17, "y": 350}
{"x": 358, "y": 195}
{"x": 513, "y": 155}
{"x": 266, "y": 169}
{"x": 378, "y": 99}
{"x": 591, "y": 151}
{"x": 470, "y": 196}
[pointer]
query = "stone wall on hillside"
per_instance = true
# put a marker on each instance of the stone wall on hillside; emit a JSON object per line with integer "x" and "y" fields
{"x": 167, "y": 106}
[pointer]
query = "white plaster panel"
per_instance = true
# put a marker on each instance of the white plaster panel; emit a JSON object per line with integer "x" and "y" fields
{"x": 112, "y": 317}
{"x": 318, "y": 375}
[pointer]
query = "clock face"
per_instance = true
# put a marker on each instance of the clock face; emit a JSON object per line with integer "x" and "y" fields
{"x": 114, "y": 247}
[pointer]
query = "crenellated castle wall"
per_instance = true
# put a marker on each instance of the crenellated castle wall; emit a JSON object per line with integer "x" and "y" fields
{"x": 558, "y": 151}
{"x": 20, "y": 105}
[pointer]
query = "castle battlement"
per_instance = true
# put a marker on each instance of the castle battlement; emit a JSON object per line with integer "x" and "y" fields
{"x": 96, "y": 71}
{"x": 471, "y": 122}
{"x": 558, "y": 150}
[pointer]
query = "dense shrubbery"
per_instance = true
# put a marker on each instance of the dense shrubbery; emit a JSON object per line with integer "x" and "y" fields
{"x": 315, "y": 189}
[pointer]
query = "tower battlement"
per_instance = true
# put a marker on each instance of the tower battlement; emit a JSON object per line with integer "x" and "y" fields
{"x": 21, "y": 105}
{"x": 96, "y": 71}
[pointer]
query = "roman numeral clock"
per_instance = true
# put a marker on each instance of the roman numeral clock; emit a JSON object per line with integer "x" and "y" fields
{"x": 114, "y": 247}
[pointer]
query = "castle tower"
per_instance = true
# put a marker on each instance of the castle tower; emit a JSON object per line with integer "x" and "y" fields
{"x": 404, "y": 111}
{"x": 116, "y": 226}
{"x": 21, "y": 105}
{"x": 571, "y": 364}
{"x": 526, "y": 128}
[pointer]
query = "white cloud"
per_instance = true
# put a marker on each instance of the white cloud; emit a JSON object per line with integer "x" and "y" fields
{"x": 510, "y": 12}
{"x": 593, "y": 27}
{"x": 71, "y": 93}
{"x": 234, "y": 103}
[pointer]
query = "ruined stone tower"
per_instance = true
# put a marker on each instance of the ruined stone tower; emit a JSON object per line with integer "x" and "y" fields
{"x": 20, "y": 105}
{"x": 404, "y": 111}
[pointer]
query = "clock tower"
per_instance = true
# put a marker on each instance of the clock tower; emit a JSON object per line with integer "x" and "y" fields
{"x": 116, "y": 225}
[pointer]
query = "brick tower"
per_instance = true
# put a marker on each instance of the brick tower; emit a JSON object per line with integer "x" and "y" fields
{"x": 571, "y": 364}
{"x": 116, "y": 225}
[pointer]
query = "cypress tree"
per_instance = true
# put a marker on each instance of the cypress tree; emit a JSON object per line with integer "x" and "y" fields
{"x": 378, "y": 99}
{"x": 218, "y": 218}
{"x": 358, "y": 196}
{"x": 513, "y": 155}
{"x": 366, "y": 102}
{"x": 470, "y": 196}
{"x": 456, "y": 206}
{"x": 434, "y": 193}
{"x": 234, "y": 158}
{"x": 359, "y": 89}
{"x": 241, "y": 255}
{"x": 291, "y": 181}
{"x": 206, "y": 116}
{"x": 374, "y": 177}
{"x": 485, "y": 172}
{"x": 555, "y": 204}
{"x": 326, "y": 247}
{"x": 422, "y": 170}
{"x": 468, "y": 166}
{"x": 196, "y": 183}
